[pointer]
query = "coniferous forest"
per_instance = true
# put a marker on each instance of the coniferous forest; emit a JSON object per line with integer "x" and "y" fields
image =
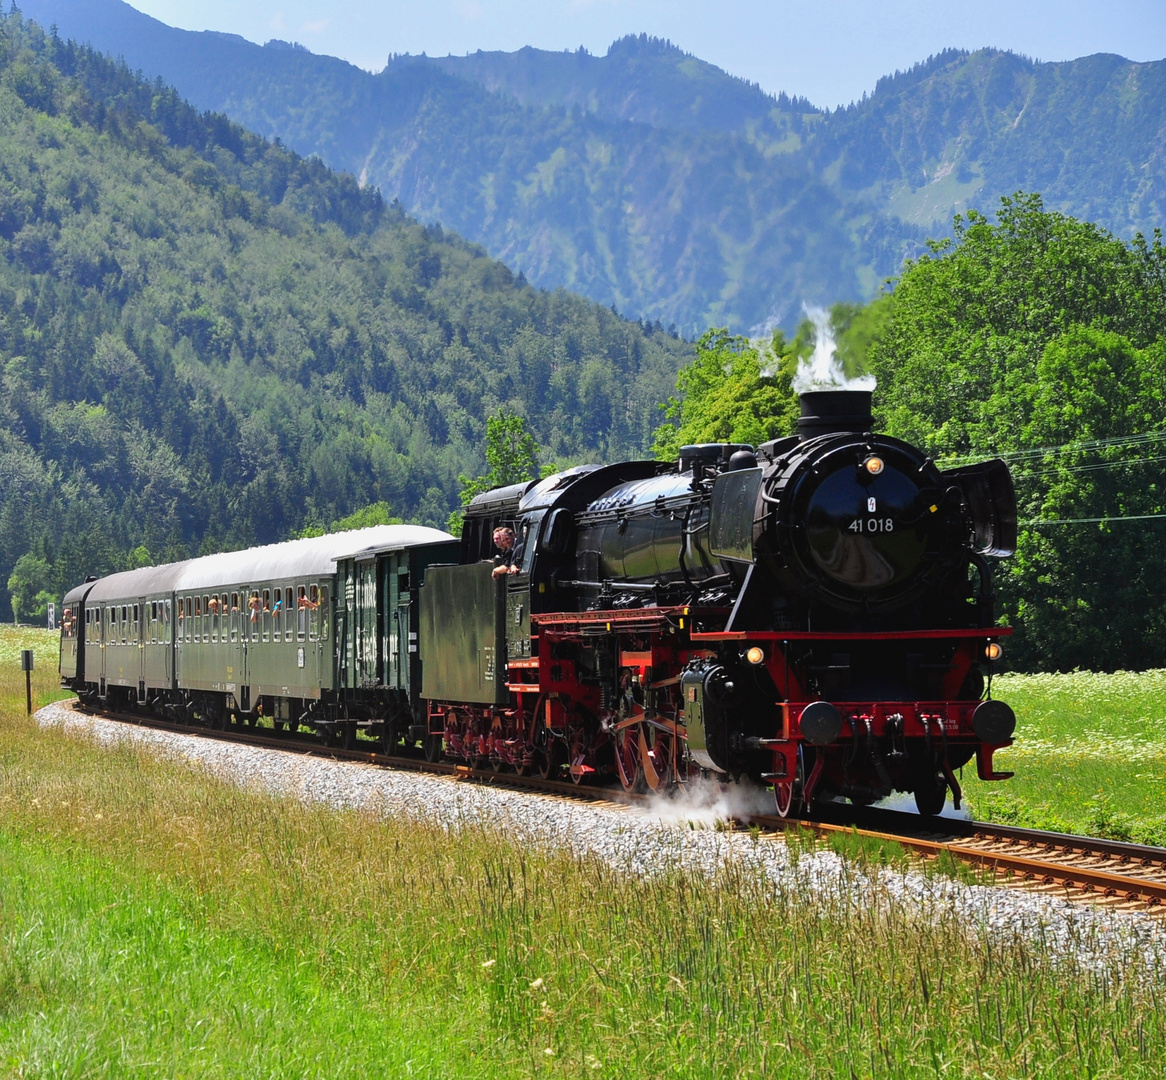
{"x": 207, "y": 341}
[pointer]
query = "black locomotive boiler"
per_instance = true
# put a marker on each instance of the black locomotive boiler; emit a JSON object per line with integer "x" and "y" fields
{"x": 816, "y": 613}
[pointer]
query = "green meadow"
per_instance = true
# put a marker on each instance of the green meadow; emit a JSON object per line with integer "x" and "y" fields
{"x": 1089, "y": 756}
{"x": 157, "y": 922}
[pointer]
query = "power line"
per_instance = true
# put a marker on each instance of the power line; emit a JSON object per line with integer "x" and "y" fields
{"x": 1084, "y": 446}
{"x": 1092, "y": 520}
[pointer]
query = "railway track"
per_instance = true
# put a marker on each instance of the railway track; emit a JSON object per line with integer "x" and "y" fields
{"x": 1079, "y": 868}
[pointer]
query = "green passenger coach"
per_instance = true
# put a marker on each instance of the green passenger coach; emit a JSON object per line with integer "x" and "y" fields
{"x": 264, "y": 632}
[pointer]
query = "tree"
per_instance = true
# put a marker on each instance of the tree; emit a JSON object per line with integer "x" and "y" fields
{"x": 731, "y": 393}
{"x": 375, "y": 514}
{"x": 30, "y": 587}
{"x": 512, "y": 457}
{"x": 1043, "y": 339}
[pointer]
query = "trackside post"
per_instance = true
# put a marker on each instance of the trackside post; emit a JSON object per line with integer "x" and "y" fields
{"x": 26, "y": 667}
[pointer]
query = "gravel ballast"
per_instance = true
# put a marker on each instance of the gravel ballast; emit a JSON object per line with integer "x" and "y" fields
{"x": 668, "y": 835}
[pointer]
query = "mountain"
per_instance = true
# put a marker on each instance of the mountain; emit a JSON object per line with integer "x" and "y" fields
{"x": 208, "y": 341}
{"x": 656, "y": 182}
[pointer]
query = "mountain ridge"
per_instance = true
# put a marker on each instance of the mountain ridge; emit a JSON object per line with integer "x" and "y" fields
{"x": 652, "y": 181}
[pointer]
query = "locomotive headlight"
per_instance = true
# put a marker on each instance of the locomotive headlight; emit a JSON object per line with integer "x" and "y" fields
{"x": 993, "y": 650}
{"x": 756, "y": 655}
{"x": 874, "y": 465}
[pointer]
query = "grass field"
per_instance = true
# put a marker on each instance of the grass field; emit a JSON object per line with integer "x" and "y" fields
{"x": 1089, "y": 756}
{"x": 154, "y": 922}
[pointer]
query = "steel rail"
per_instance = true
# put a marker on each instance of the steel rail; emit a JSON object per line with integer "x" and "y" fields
{"x": 1086, "y": 868}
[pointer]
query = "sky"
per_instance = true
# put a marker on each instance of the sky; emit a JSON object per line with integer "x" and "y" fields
{"x": 830, "y": 51}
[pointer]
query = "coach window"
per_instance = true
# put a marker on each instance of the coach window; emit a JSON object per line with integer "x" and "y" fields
{"x": 235, "y": 616}
{"x": 206, "y": 617}
{"x": 313, "y": 612}
{"x": 265, "y": 614}
{"x": 136, "y": 625}
{"x": 166, "y": 624}
{"x": 288, "y": 618}
{"x": 216, "y": 617}
{"x": 253, "y": 614}
{"x": 324, "y": 609}
{"x": 277, "y": 616}
{"x": 189, "y": 607}
{"x": 301, "y": 613}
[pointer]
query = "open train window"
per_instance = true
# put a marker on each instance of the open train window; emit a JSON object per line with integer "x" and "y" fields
{"x": 136, "y": 625}
{"x": 288, "y": 601}
{"x": 323, "y": 612}
{"x": 301, "y": 613}
{"x": 166, "y": 623}
{"x": 189, "y": 619}
{"x": 122, "y": 627}
{"x": 313, "y": 612}
{"x": 253, "y": 614}
{"x": 236, "y": 616}
{"x": 265, "y": 614}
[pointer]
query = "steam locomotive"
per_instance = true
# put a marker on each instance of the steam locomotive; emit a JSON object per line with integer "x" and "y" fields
{"x": 816, "y": 613}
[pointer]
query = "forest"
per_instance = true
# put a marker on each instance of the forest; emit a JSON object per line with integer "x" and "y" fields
{"x": 207, "y": 341}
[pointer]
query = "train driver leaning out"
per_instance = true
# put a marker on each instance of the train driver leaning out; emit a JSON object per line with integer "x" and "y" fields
{"x": 510, "y": 559}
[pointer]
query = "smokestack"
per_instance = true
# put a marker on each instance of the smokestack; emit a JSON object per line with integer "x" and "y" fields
{"x": 829, "y": 412}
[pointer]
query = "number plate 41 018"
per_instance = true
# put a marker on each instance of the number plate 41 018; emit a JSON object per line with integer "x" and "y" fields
{"x": 872, "y": 525}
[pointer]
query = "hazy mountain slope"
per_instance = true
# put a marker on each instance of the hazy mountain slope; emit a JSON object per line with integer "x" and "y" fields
{"x": 649, "y": 179}
{"x": 688, "y": 227}
{"x": 207, "y": 341}
{"x": 1089, "y": 135}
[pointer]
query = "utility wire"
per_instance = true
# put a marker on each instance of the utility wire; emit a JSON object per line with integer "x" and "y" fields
{"x": 1121, "y": 441}
{"x": 1092, "y": 520}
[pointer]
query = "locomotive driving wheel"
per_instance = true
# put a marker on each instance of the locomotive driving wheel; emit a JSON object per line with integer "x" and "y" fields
{"x": 655, "y": 747}
{"x": 788, "y": 793}
{"x": 627, "y": 757}
{"x": 552, "y": 758}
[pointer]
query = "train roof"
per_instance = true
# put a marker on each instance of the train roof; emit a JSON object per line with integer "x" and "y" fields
{"x": 313, "y": 556}
{"x": 369, "y": 551}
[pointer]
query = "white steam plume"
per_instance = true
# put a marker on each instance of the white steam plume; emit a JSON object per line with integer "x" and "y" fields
{"x": 709, "y": 802}
{"x": 823, "y": 370}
